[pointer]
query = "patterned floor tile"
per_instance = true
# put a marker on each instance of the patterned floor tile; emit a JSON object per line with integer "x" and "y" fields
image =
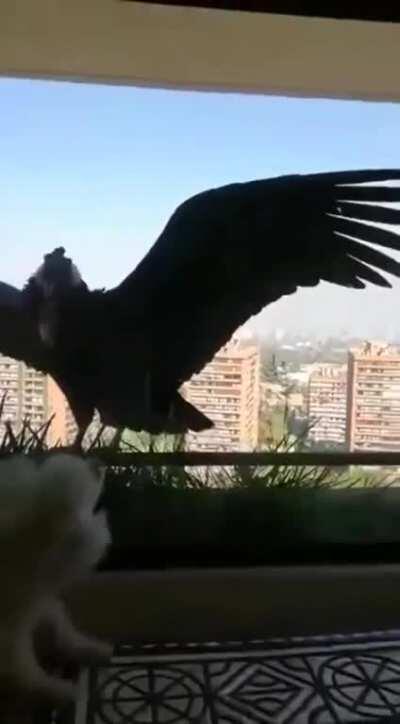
{"x": 334, "y": 680}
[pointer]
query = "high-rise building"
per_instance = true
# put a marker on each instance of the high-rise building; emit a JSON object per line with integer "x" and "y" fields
{"x": 327, "y": 403}
{"x": 227, "y": 390}
{"x": 57, "y": 408}
{"x": 10, "y": 392}
{"x": 33, "y": 396}
{"x": 373, "y": 409}
{"x": 71, "y": 427}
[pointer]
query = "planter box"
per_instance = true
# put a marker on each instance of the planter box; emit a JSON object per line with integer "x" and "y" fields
{"x": 161, "y": 527}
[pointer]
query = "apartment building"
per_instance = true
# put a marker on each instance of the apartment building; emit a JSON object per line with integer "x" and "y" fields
{"x": 228, "y": 391}
{"x": 373, "y": 407}
{"x": 30, "y": 395}
{"x": 327, "y": 404}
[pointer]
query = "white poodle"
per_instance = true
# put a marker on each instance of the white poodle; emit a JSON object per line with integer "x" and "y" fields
{"x": 49, "y": 536}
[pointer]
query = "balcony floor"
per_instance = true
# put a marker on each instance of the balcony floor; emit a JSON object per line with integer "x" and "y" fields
{"x": 320, "y": 680}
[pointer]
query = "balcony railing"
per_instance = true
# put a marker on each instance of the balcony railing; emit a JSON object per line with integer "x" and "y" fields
{"x": 283, "y": 459}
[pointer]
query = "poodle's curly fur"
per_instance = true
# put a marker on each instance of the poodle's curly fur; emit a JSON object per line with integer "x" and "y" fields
{"x": 50, "y": 535}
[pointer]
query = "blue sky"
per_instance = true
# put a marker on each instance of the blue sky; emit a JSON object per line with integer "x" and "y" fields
{"x": 99, "y": 169}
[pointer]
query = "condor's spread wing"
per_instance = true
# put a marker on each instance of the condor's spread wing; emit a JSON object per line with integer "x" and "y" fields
{"x": 228, "y": 252}
{"x": 18, "y": 336}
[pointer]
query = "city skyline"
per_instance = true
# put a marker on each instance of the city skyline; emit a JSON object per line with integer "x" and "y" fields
{"x": 99, "y": 169}
{"x": 253, "y": 405}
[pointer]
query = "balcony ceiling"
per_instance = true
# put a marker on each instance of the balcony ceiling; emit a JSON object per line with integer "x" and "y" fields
{"x": 383, "y": 11}
{"x": 164, "y": 45}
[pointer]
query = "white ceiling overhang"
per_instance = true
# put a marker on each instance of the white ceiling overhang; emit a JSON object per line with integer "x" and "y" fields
{"x": 183, "y": 47}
